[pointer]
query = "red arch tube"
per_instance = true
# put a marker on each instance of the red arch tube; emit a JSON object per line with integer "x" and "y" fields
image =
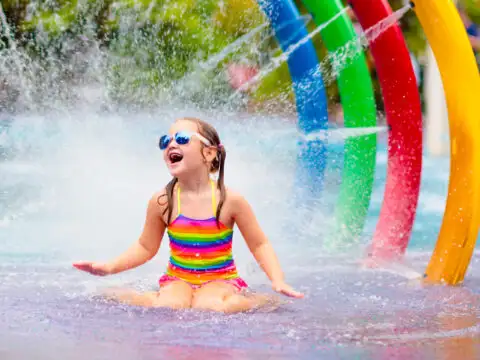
{"x": 404, "y": 117}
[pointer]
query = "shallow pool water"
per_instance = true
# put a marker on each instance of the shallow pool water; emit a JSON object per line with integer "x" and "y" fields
{"x": 75, "y": 187}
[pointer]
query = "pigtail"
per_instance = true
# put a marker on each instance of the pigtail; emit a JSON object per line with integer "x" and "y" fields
{"x": 169, "y": 194}
{"x": 221, "y": 183}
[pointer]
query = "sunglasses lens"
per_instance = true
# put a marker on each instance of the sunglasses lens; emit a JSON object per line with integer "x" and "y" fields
{"x": 164, "y": 141}
{"x": 182, "y": 138}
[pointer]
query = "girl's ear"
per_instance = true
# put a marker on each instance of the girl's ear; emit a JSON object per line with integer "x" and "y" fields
{"x": 209, "y": 153}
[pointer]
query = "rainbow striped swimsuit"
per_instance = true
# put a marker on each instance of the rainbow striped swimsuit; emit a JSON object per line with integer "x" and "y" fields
{"x": 200, "y": 251}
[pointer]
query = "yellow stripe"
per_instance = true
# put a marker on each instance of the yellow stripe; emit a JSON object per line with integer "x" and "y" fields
{"x": 461, "y": 81}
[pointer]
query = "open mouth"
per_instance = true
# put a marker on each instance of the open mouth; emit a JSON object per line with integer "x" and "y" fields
{"x": 175, "y": 157}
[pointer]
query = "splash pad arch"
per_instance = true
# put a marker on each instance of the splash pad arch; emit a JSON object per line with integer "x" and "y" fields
{"x": 446, "y": 35}
{"x": 461, "y": 80}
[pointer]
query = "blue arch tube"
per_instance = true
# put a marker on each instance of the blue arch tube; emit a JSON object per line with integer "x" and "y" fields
{"x": 310, "y": 96}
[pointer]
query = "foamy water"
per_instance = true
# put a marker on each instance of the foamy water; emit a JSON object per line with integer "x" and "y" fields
{"x": 75, "y": 187}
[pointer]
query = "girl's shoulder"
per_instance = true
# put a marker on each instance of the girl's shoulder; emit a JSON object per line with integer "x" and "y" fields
{"x": 232, "y": 195}
{"x": 159, "y": 200}
{"x": 235, "y": 201}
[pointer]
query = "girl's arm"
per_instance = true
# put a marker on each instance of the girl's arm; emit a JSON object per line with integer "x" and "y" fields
{"x": 259, "y": 245}
{"x": 140, "y": 252}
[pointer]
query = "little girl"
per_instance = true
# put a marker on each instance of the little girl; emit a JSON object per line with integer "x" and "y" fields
{"x": 201, "y": 272}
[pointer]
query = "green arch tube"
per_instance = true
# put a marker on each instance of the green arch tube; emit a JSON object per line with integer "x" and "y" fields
{"x": 358, "y": 102}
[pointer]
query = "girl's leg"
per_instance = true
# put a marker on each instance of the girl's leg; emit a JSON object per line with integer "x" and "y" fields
{"x": 223, "y": 297}
{"x": 174, "y": 295}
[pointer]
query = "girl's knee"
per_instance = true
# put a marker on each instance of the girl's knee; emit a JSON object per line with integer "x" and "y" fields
{"x": 176, "y": 295}
{"x": 213, "y": 296}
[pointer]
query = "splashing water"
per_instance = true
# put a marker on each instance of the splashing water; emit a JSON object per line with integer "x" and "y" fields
{"x": 48, "y": 71}
{"x": 5, "y": 27}
{"x": 79, "y": 191}
{"x": 74, "y": 184}
{"x": 11, "y": 61}
{"x": 214, "y": 60}
{"x": 39, "y": 82}
{"x": 339, "y": 135}
{"x": 379, "y": 28}
{"x": 279, "y": 60}
{"x": 195, "y": 80}
{"x": 330, "y": 67}
{"x": 337, "y": 61}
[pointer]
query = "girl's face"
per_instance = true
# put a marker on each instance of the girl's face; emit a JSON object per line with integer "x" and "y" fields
{"x": 187, "y": 158}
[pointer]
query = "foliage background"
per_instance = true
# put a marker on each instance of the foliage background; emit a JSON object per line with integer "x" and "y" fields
{"x": 142, "y": 47}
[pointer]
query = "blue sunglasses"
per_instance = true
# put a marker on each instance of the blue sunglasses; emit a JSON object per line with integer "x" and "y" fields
{"x": 181, "y": 138}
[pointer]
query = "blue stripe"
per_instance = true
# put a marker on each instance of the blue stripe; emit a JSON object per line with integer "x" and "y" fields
{"x": 195, "y": 244}
{"x": 310, "y": 93}
{"x": 310, "y": 96}
{"x": 204, "y": 269}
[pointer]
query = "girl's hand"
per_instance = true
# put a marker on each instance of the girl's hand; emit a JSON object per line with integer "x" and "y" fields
{"x": 93, "y": 268}
{"x": 285, "y": 289}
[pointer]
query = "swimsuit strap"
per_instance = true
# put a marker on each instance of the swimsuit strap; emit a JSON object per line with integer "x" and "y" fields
{"x": 178, "y": 200}
{"x": 214, "y": 200}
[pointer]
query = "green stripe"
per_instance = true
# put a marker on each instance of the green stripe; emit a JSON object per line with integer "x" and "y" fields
{"x": 358, "y": 102}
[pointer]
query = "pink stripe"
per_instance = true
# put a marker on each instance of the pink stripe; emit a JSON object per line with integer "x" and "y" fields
{"x": 186, "y": 223}
{"x": 208, "y": 224}
{"x": 238, "y": 283}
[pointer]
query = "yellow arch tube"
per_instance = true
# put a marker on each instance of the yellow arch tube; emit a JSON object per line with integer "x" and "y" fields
{"x": 461, "y": 81}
